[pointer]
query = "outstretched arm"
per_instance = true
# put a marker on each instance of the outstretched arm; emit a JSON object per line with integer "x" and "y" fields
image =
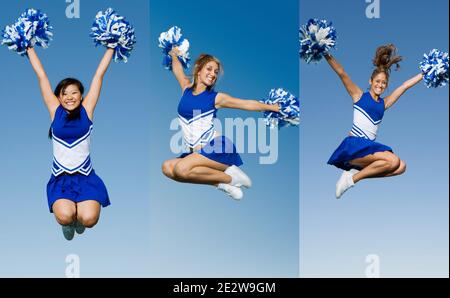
{"x": 226, "y": 101}
{"x": 50, "y": 100}
{"x": 392, "y": 98}
{"x": 353, "y": 90}
{"x": 177, "y": 69}
{"x": 91, "y": 99}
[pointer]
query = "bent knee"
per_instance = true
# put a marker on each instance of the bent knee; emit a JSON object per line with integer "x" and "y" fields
{"x": 393, "y": 162}
{"x": 402, "y": 168}
{"x": 180, "y": 171}
{"x": 65, "y": 217}
{"x": 88, "y": 220}
{"x": 167, "y": 169}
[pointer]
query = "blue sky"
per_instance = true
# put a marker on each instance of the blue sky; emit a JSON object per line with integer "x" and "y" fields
{"x": 404, "y": 220}
{"x": 154, "y": 227}
{"x": 196, "y": 230}
{"x": 34, "y": 246}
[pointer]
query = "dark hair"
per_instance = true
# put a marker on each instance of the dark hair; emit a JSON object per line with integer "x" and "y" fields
{"x": 385, "y": 57}
{"x": 201, "y": 61}
{"x": 60, "y": 88}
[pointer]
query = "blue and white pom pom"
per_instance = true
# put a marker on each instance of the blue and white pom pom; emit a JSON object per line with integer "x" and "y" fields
{"x": 31, "y": 29}
{"x": 113, "y": 31}
{"x": 170, "y": 39}
{"x": 289, "y": 113}
{"x": 434, "y": 67}
{"x": 317, "y": 37}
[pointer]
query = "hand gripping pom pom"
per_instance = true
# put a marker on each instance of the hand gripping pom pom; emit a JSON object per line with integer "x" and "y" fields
{"x": 434, "y": 67}
{"x": 289, "y": 113}
{"x": 113, "y": 31}
{"x": 31, "y": 29}
{"x": 170, "y": 39}
{"x": 317, "y": 38}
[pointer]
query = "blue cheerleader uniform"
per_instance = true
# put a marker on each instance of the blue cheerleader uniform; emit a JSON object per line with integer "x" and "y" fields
{"x": 367, "y": 116}
{"x": 73, "y": 177}
{"x": 196, "y": 114}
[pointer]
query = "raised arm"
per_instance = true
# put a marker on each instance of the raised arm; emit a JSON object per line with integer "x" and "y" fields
{"x": 91, "y": 98}
{"x": 353, "y": 90}
{"x": 177, "y": 69}
{"x": 50, "y": 100}
{"x": 394, "y": 96}
{"x": 226, "y": 101}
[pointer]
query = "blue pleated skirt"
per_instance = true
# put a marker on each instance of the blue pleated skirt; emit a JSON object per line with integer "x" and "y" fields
{"x": 77, "y": 188}
{"x": 222, "y": 150}
{"x": 352, "y": 148}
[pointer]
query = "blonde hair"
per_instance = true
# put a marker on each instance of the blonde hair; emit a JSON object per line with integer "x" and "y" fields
{"x": 201, "y": 61}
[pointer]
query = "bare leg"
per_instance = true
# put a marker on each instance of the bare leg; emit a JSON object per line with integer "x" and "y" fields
{"x": 380, "y": 164}
{"x": 65, "y": 211}
{"x": 401, "y": 169}
{"x": 198, "y": 169}
{"x": 88, "y": 213}
{"x": 168, "y": 166}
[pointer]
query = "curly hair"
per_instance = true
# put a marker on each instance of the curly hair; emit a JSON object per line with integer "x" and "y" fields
{"x": 385, "y": 57}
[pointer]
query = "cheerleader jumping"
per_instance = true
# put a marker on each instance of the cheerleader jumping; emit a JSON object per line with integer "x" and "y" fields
{"x": 212, "y": 159}
{"x": 359, "y": 155}
{"x": 75, "y": 193}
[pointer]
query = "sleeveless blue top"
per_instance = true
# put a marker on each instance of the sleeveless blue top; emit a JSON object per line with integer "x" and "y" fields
{"x": 196, "y": 114}
{"x": 71, "y": 143}
{"x": 367, "y": 116}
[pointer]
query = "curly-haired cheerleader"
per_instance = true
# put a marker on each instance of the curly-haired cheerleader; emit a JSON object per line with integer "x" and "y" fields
{"x": 359, "y": 155}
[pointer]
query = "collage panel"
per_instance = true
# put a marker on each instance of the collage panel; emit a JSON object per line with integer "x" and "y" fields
{"x": 386, "y": 61}
{"x": 199, "y": 230}
{"x": 38, "y": 171}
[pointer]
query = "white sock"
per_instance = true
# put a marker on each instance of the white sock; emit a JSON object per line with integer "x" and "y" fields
{"x": 344, "y": 183}
{"x": 232, "y": 178}
{"x": 350, "y": 181}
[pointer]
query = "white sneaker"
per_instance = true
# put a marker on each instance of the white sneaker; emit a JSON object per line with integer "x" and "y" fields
{"x": 233, "y": 191}
{"x": 238, "y": 177}
{"x": 68, "y": 231}
{"x": 79, "y": 228}
{"x": 344, "y": 183}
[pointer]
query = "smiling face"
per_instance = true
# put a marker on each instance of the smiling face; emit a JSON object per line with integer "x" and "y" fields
{"x": 378, "y": 83}
{"x": 70, "y": 97}
{"x": 206, "y": 71}
{"x": 208, "y": 74}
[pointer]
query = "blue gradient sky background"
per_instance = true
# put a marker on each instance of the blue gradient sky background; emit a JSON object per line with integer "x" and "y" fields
{"x": 197, "y": 230}
{"x": 33, "y": 244}
{"x": 154, "y": 227}
{"x": 403, "y": 219}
